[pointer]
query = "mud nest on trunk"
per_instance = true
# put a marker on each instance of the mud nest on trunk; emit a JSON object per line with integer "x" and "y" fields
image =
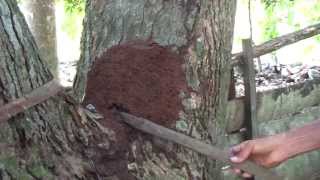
{"x": 142, "y": 78}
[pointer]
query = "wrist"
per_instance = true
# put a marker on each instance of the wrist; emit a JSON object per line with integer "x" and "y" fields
{"x": 298, "y": 142}
{"x": 283, "y": 151}
{"x": 276, "y": 142}
{"x": 274, "y": 149}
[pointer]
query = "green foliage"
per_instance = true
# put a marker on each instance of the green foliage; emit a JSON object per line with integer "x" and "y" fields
{"x": 313, "y": 13}
{"x": 269, "y": 3}
{"x": 317, "y": 38}
{"x": 272, "y": 3}
{"x": 285, "y": 16}
{"x": 277, "y": 11}
{"x": 269, "y": 26}
{"x": 74, "y": 5}
{"x": 290, "y": 18}
{"x": 70, "y": 25}
{"x": 72, "y": 15}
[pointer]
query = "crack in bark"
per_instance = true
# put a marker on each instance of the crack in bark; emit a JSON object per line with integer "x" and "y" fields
{"x": 11, "y": 73}
{"x": 11, "y": 11}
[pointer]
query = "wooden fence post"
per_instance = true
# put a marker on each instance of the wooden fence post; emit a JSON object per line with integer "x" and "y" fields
{"x": 232, "y": 88}
{"x": 250, "y": 89}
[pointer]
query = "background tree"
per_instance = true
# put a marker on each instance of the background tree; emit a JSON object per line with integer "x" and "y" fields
{"x": 40, "y": 15}
{"x": 43, "y": 142}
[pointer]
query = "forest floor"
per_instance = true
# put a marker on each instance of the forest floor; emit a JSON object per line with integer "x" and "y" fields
{"x": 283, "y": 75}
{"x": 67, "y": 72}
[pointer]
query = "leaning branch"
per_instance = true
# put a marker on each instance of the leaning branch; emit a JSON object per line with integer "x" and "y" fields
{"x": 279, "y": 42}
{"x": 37, "y": 96}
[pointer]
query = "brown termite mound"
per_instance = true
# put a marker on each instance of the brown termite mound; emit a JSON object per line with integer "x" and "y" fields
{"x": 142, "y": 78}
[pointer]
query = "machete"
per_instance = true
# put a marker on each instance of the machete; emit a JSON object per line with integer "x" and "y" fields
{"x": 210, "y": 151}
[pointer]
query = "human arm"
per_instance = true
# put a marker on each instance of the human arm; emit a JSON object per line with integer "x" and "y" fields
{"x": 273, "y": 150}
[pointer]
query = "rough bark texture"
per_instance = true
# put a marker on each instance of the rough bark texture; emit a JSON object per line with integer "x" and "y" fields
{"x": 42, "y": 23}
{"x": 43, "y": 142}
{"x": 201, "y": 32}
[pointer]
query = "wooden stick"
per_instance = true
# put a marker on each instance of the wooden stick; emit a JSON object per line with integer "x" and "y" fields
{"x": 249, "y": 89}
{"x": 279, "y": 42}
{"x": 210, "y": 151}
{"x": 37, "y": 96}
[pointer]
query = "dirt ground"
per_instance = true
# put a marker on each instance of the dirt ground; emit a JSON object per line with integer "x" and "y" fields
{"x": 142, "y": 78}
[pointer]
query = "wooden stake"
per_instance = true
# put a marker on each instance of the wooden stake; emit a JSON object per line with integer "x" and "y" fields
{"x": 249, "y": 89}
{"x": 210, "y": 151}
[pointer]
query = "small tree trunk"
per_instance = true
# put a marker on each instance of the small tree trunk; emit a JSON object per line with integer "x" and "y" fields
{"x": 200, "y": 32}
{"x": 43, "y": 142}
{"x": 40, "y": 16}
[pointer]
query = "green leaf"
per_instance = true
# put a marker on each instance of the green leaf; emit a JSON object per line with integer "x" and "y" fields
{"x": 72, "y": 6}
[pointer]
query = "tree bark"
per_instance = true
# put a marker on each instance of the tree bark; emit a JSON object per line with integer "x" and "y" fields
{"x": 45, "y": 141}
{"x": 41, "y": 19}
{"x": 201, "y": 32}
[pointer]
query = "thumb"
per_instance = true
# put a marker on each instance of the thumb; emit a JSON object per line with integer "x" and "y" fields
{"x": 241, "y": 152}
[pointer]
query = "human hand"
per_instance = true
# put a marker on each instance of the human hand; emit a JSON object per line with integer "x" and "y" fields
{"x": 267, "y": 152}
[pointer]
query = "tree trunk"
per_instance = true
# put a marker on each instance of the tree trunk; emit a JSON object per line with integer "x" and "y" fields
{"x": 40, "y": 16}
{"x": 43, "y": 142}
{"x": 201, "y": 32}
